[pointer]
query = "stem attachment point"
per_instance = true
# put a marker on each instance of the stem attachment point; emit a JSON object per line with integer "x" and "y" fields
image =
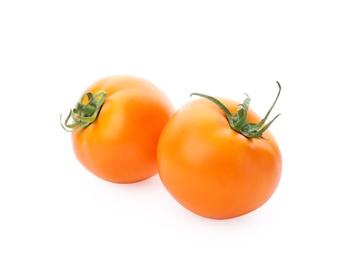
{"x": 239, "y": 121}
{"x": 84, "y": 113}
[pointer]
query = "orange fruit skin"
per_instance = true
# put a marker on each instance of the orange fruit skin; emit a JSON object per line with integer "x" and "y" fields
{"x": 120, "y": 146}
{"x": 213, "y": 170}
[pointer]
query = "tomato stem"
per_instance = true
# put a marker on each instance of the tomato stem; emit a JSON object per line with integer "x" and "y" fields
{"x": 84, "y": 114}
{"x": 239, "y": 121}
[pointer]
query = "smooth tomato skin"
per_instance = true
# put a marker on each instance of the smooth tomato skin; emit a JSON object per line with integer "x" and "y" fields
{"x": 120, "y": 146}
{"x": 212, "y": 170}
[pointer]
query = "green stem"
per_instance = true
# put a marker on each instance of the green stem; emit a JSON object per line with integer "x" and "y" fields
{"x": 84, "y": 114}
{"x": 239, "y": 121}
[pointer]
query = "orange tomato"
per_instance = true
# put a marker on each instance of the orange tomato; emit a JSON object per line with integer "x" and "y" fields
{"x": 213, "y": 170}
{"x": 120, "y": 144}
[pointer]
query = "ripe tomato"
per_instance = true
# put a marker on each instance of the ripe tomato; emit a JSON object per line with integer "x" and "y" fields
{"x": 116, "y": 128}
{"x": 210, "y": 168}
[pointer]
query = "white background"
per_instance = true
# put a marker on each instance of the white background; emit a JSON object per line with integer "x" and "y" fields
{"x": 50, "y": 51}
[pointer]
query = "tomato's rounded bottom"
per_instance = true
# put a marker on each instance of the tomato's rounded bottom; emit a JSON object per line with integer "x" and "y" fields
{"x": 222, "y": 216}
{"x": 218, "y": 206}
{"x": 126, "y": 181}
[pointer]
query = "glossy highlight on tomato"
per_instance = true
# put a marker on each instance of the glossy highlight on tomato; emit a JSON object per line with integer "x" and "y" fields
{"x": 212, "y": 169}
{"x": 117, "y": 126}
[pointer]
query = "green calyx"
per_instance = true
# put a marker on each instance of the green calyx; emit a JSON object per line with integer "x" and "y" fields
{"x": 84, "y": 114}
{"x": 239, "y": 121}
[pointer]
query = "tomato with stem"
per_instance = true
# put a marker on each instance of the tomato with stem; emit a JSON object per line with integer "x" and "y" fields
{"x": 218, "y": 159}
{"x": 116, "y": 126}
